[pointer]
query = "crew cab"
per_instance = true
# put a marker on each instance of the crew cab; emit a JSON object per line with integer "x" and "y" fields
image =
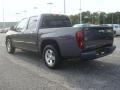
{"x": 54, "y": 38}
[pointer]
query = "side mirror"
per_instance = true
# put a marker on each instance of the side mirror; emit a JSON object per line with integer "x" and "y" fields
{"x": 12, "y": 28}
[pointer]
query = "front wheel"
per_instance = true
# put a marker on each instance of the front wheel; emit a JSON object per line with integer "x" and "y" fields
{"x": 51, "y": 56}
{"x": 9, "y": 46}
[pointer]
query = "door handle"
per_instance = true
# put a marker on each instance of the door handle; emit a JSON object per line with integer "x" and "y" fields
{"x": 32, "y": 31}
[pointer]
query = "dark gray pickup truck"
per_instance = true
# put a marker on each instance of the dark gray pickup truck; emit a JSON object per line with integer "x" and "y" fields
{"x": 52, "y": 36}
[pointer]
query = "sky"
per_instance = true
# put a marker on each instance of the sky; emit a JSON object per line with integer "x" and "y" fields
{"x": 11, "y": 7}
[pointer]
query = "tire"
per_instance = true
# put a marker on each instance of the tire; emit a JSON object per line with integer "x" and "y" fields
{"x": 51, "y": 57}
{"x": 9, "y": 46}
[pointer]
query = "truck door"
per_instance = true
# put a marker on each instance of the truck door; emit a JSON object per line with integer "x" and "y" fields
{"x": 18, "y": 37}
{"x": 30, "y": 35}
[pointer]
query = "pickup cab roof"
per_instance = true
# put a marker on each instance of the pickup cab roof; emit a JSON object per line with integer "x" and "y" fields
{"x": 48, "y": 14}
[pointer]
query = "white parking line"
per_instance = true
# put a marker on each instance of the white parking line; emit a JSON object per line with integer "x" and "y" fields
{"x": 117, "y": 51}
{"x": 115, "y": 55}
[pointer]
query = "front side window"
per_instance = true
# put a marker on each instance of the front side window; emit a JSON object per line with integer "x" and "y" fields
{"x": 22, "y": 25}
{"x": 32, "y": 23}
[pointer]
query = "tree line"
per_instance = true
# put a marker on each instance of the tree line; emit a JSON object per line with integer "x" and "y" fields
{"x": 7, "y": 24}
{"x": 96, "y": 18}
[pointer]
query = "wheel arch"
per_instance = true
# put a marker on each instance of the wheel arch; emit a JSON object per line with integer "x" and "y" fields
{"x": 7, "y": 37}
{"x": 49, "y": 42}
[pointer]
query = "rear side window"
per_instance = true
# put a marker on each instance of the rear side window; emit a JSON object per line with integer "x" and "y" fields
{"x": 57, "y": 21}
{"x": 32, "y": 23}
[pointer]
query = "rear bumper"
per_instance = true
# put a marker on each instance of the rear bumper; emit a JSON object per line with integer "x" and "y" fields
{"x": 97, "y": 53}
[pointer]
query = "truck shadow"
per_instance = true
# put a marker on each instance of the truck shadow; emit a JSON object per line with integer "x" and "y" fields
{"x": 92, "y": 75}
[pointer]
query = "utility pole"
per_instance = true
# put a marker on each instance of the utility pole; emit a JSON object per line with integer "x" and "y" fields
{"x": 99, "y": 15}
{"x": 118, "y": 19}
{"x": 80, "y": 13}
{"x": 3, "y": 14}
{"x": 64, "y": 6}
{"x": 112, "y": 18}
{"x": 103, "y": 19}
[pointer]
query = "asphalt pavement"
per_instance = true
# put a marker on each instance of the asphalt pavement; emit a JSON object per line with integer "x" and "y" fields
{"x": 26, "y": 71}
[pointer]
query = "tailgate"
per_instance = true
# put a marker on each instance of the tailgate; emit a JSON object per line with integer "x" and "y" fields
{"x": 96, "y": 37}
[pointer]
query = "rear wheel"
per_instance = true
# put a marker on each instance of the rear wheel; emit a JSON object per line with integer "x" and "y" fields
{"x": 51, "y": 56}
{"x": 9, "y": 46}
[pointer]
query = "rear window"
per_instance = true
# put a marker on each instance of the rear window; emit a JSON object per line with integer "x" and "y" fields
{"x": 55, "y": 21}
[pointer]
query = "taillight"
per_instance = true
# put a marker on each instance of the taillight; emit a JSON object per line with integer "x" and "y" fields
{"x": 80, "y": 39}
